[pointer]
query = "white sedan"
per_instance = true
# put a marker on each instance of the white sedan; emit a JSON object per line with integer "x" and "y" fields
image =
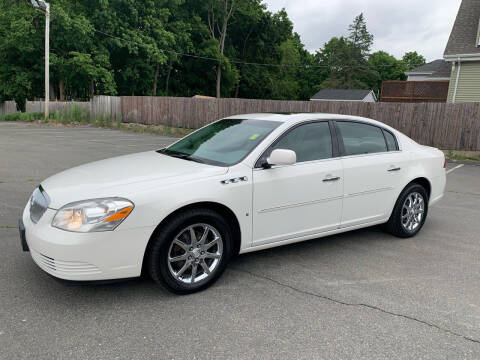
{"x": 241, "y": 184}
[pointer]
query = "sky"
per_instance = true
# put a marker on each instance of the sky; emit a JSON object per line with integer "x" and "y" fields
{"x": 398, "y": 26}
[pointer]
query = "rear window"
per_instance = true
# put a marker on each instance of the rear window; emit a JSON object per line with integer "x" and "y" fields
{"x": 361, "y": 138}
{"x": 391, "y": 142}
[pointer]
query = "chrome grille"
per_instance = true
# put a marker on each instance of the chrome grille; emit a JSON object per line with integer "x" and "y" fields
{"x": 39, "y": 203}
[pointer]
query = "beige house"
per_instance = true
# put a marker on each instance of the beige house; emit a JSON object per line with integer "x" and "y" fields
{"x": 463, "y": 52}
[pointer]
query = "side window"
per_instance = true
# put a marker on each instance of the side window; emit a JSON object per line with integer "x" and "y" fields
{"x": 311, "y": 141}
{"x": 361, "y": 138}
{"x": 391, "y": 142}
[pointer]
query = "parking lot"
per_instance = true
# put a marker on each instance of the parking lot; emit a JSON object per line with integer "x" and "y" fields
{"x": 360, "y": 295}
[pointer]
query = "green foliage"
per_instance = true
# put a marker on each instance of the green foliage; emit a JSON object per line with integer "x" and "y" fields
{"x": 359, "y": 36}
{"x": 26, "y": 117}
{"x": 347, "y": 58}
{"x": 413, "y": 60}
{"x": 387, "y": 67}
{"x": 462, "y": 155}
{"x": 139, "y": 47}
{"x": 78, "y": 118}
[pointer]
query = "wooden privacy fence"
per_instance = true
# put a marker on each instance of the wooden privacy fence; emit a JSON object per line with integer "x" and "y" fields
{"x": 194, "y": 113}
{"x": 8, "y": 107}
{"x": 104, "y": 106}
{"x": 446, "y": 126}
{"x": 60, "y": 106}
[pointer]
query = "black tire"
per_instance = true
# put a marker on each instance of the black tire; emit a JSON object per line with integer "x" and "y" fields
{"x": 157, "y": 263}
{"x": 394, "y": 225}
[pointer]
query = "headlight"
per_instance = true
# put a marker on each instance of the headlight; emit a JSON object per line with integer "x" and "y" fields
{"x": 93, "y": 215}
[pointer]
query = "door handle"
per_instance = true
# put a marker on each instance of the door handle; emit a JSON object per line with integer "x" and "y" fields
{"x": 331, "y": 179}
{"x": 394, "y": 169}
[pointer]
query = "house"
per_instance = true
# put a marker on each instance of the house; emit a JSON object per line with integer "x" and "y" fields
{"x": 463, "y": 53}
{"x": 345, "y": 95}
{"x": 438, "y": 70}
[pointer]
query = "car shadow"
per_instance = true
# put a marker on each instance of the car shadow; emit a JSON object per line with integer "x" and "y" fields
{"x": 320, "y": 248}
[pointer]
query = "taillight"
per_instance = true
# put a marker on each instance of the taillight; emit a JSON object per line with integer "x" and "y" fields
{"x": 445, "y": 164}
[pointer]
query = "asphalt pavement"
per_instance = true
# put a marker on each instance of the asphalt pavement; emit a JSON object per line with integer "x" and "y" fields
{"x": 360, "y": 295}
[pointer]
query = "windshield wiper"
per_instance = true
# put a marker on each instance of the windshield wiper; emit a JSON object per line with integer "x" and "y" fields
{"x": 180, "y": 155}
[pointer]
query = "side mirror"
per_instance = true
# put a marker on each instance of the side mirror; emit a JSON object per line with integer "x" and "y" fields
{"x": 282, "y": 157}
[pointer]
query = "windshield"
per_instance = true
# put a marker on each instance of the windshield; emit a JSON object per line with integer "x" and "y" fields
{"x": 224, "y": 143}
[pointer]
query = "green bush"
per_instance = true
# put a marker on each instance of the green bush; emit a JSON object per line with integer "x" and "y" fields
{"x": 118, "y": 121}
{"x": 18, "y": 116}
{"x": 79, "y": 116}
{"x": 75, "y": 114}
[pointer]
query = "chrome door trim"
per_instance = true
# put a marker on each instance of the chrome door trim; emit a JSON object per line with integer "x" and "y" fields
{"x": 369, "y": 192}
{"x": 290, "y": 206}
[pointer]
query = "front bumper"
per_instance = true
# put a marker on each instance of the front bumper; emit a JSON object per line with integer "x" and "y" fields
{"x": 74, "y": 256}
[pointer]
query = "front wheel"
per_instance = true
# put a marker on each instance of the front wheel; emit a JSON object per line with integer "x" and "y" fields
{"x": 410, "y": 212}
{"x": 191, "y": 251}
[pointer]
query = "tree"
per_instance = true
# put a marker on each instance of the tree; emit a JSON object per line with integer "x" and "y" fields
{"x": 220, "y": 12}
{"x": 80, "y": 68}
{"x": 386, "y": 68}
{"x": 359, "y": 36}
{"x": 346, "y": 58}
{"x": 413, "y": 60}
{"x": 21, "y": 70}
{"x": 181, "y": 48}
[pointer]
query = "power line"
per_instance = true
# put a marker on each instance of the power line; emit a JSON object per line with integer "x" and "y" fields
{"x": 232, "y": 61}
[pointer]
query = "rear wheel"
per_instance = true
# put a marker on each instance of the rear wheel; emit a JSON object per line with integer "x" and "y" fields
{"x": 410, "y": 212}
{"x": 191, "y": 251}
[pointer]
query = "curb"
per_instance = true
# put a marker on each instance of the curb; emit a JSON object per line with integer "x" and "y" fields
{"x": 464, "y": 162}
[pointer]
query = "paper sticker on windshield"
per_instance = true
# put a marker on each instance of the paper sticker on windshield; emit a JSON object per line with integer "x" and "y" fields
{"x": 254, "y": 136}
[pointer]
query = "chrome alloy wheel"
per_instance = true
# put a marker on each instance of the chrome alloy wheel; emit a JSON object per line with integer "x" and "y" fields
{"x": 195, "y": 253}
{"x": 413, "y": 211}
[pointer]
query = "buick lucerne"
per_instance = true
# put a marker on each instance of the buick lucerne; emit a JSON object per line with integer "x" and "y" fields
{"x": 241, "y": 184}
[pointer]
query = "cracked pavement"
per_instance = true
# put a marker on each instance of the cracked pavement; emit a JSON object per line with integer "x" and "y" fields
{"x": 359, "y": 295}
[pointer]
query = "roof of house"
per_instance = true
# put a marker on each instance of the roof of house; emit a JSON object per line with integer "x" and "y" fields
{"x": 341, "y": 94}
{"x": 463, "y": 39}
{"x": 436, "y": 69}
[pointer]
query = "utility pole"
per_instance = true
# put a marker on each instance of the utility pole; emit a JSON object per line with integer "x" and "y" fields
{"x": 47, "y": 59}
{"x": 42, "y": 4}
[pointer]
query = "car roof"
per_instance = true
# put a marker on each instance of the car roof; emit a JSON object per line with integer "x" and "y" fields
{"x": 300, "y": 117}
{"x": 289, "y": 119}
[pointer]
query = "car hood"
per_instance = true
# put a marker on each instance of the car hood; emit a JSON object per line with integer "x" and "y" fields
{"x": 122, "y": 176}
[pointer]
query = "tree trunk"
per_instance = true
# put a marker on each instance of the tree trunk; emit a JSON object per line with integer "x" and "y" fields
{"x": 167, "y": 79}
{"x": 237, "y": 86}
{"x": 219, "y": 80}
{"x": 61, "y": 89}
{"x": 244, "y": 51}
{"x": 92, "y": 89}
{"x": 228, "y": 13}
{"x": 155, "y": 80}
{"x": 223, "y": 36}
